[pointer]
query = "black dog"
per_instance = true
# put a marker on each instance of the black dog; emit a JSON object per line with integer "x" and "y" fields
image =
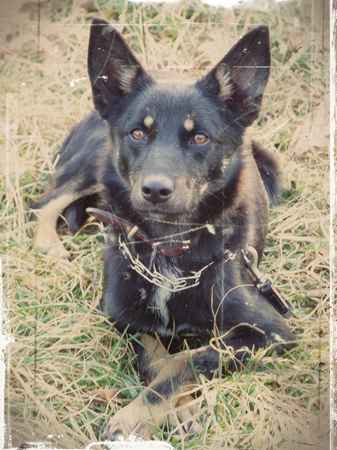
{"x": 186, "y": 195}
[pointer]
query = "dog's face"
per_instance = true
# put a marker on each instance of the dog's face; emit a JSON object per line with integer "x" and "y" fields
{"x": 176, "y": 146}
{"x": 169, "y": 144}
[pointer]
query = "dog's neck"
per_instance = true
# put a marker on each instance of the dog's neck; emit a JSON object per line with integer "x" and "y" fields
{"x": 184, "y": 244}
{"x": 165, "y": 238}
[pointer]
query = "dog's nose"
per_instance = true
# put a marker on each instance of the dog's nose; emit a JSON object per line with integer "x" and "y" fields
{"x": 157, "y": 188}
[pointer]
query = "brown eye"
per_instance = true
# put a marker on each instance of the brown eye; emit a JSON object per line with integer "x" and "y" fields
{"x": 137, "y": 134}
{"x": 200, "y": 139}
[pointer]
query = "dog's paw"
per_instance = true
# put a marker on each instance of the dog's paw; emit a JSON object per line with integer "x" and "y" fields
{"x": 56, "y": 250}
{"x": 188, "y": 412}
{"x": 124, "y": 424}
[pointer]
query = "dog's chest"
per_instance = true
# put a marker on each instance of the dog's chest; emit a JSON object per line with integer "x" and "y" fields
{"x": 161, "y": 296}
{"x": 159, "y": 303}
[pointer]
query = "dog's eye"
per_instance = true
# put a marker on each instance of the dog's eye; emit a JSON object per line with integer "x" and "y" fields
{"x": 199, "y": 139}
{"x": 137, "y": 134}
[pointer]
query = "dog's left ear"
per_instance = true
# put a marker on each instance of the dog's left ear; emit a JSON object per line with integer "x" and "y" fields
{"x": 241, "y": 76}
{"x": 113, "y": 69}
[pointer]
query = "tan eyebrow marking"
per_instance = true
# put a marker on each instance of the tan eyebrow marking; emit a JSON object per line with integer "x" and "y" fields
{"x": 189, "y": 124}
{"x": 148, "y": 121}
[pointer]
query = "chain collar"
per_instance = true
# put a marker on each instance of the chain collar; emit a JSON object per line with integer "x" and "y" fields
{"x": 178, "y": 284}
{"x": 172, "y": 284}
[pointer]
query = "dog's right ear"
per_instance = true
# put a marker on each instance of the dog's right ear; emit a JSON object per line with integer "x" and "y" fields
{"x": 113, "y": 69}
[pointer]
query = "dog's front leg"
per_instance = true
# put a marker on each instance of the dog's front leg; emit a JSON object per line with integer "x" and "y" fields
{"x": 159, "y": 400}
{"x": 157, "y": 404}
{"x": 48, "y": 210}
{"x": 46, "y": 238}
{"x": 153, "y": 356}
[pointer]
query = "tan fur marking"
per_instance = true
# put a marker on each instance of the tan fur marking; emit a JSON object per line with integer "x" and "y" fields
{"x": 189, "y": 124}
{"x": 154, "y": 355}
{"x": 46, "y": 238}
{"x": 154, "y": 349}
{"x": 148, "y": 121}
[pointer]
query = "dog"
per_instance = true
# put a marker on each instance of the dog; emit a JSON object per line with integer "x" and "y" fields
{"x": 185, "y": 193}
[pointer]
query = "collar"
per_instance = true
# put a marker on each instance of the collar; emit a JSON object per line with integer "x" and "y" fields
{"x": 131, "y": 231}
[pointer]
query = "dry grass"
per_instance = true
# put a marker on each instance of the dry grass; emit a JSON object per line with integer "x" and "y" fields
{"x": 64, "y": 352}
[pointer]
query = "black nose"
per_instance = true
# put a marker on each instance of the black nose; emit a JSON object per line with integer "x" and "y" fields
{"x": 157, "y": 188}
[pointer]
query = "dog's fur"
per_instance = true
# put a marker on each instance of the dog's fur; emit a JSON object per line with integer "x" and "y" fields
{"x": 165, "y": 157}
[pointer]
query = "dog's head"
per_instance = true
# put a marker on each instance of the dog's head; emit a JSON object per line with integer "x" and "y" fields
{"x": 175, "y": 146}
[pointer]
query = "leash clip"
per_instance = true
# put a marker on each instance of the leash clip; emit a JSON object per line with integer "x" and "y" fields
{"x": 264, "y": 285}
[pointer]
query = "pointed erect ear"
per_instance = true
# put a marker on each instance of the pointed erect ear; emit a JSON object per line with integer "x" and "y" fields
{"x": 241, "y": 76}
{"x": 114, "y": 71}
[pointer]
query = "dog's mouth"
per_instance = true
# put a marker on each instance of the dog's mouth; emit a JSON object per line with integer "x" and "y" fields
{"x": 159, "y": 214}
{"x": 163, "y": 205}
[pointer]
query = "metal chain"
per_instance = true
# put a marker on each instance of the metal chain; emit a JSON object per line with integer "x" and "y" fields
{"x": 174, "y": 284}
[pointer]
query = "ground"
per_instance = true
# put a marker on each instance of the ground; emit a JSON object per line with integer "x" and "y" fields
{"x": 68, "y": 369}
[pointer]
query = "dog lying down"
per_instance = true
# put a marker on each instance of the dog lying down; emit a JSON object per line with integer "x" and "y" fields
{"x": 186, "y": 194}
